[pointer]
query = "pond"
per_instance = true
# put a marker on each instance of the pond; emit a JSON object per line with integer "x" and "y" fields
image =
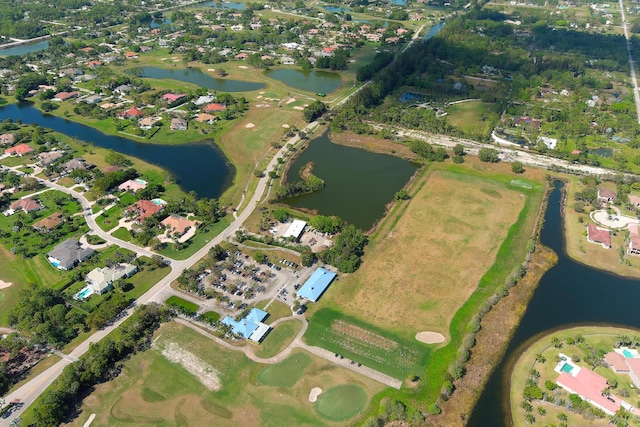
{"x": 434, "y": 30}
{"x": 200, "y": 167}
{"x": 358, "y": 184}
{"x": 25, "y": 48}
{"x": 312, "y": 81}
{"x": 602, "y": 152}
{"x": 568, "y": 294}
{"x": 224, "y": 5}
{"x": 157, "y": 23}
{"x": 336, "y": 9}
{"x": 197, "y": 77}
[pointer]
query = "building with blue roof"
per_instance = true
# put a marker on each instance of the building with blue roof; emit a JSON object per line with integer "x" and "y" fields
{"x": 249, "y": 327}
{"x": 315, "y": 286}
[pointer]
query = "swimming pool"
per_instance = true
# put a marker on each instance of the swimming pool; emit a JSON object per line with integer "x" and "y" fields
{"x": 566, "y": 368}
{"x": 158, "y": 202}
{"x": 141, "y": 181}
{"x": 627, "y": 353}
{"x": 55, "y": 263}
{"x": 83, "y": 293}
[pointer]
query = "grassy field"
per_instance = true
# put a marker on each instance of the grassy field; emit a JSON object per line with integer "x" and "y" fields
{"x": 601, "y": 338}
{"x": 175, "y": 301}
{"x": 279, "y": 338}
{"x": 153, "y": 390}
{"x": 592, "y": 254}
{"x": 473, "y": 116}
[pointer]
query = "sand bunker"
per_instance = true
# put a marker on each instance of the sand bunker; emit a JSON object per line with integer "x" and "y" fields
{"x": 259, "y": 97}
{"x": 211, "y": 69}
{"x": 314, "y": 393}
{"x": 290, "y": 100}
{"x": 286, "y": 126}
{"x": 249, "y": 125}
{"x": 430, "y": 337}
{"x": 262, "y": 92}
{"x": 297, "y": 107}
{"x": 244, "y": 67}
{"x": 5, "y": 284}
{"x": 205, "y": 373}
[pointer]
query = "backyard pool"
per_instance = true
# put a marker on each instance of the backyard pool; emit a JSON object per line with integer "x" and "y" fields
{"x": 566, "y": 368}
{"x": 627, "y": 353}
{"x": 84, "y": 293}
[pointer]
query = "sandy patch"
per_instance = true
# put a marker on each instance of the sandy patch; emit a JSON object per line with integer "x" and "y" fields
{"x": 314, "y": 393}
{"x": 249, "y": 125}
{"x": 5, "y": 284}
{"x": 176, "y": 60}
{"x": 89, "y": 421}
{"x": 262, "y": 93}
{"x": 211, "y": 69}
{"x": 290, "y": 100}
{"x": 259, "y": 97}
{"x": 163, "y": 59}
{"x": 244, "y": 67}
{"x": 286, "y": 126}
{"x": 263, "y": 105}
{"x": 430, "y": 337}
{"x": 205, "y": 373}
{"x": 297, "y": 107}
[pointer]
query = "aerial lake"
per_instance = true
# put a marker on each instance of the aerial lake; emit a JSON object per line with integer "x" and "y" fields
{"x": 157, "y": 23}
{"x": 200, "y": 167}
{"x": 358, "y": 183}
{"x": 25, "y": 48}
{"x": 568, "y": 294}
{"x": 224, "y": 5}
{"x": 197, "y": 77}
{"x": 312, "y": 81}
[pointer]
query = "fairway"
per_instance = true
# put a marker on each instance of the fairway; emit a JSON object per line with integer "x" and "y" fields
{"x": 457, "y": 220}
{"x": 285, "y": 373}
{"x": 341, "y": 402}
{"x": 151, "y": 390}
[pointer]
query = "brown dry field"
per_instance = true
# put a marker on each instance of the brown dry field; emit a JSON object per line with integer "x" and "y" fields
{"x": 480, "y": 83}
{"x": 592, "y": 254}
{"x": 455, "y": 220}
{"x": 373, "y": 144}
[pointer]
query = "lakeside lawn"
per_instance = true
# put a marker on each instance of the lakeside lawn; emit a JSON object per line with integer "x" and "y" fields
{"x": 470, "y": 209}
{"x": 591, "y": 254}
{"x": 602, "y": 339}
{"x": 153, "y": 390}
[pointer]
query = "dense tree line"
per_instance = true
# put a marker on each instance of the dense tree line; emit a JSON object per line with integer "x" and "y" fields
{"x": 347, "y": 250}
{"x": 100, "y": 363}
{"x": 314, "y": 111}
{"x": 380, "y": 61}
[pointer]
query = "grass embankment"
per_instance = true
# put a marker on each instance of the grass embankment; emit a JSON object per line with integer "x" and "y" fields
{"x": 182, "y": 304}
{"x": 470, "y": 209}
{"x": 591, "y": 254}
{"x": 601, "y": 338}
{"x": 153, "y": 390}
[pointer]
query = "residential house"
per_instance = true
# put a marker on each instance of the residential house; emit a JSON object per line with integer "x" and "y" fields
{"x": 178, "y": 124}
{"x": 148, "y": 122}
{"x": 99, "y": 280}
{"x": 634, "y": 240}
{"x": 205, "y": 118}
{"x": 122, "y": 89}
{"x": 130, "y": 55}
{"x": 74, "y": 164}
{"x": 45, "y": 159}
{"x": 205, "y": 99}
{"x": 526, "y": 120}
{"x": 177, "y": 224}
{"x": 606, "y": 196}
{"x": 19, "y": 150}
{"x": 599, "y": 236}
{"x": 63, "y": 96}
{"x": 68, "y": 253}
{"x": 131, "y": 113}
{"x": 94, "y": 64}
{"x": 27, "y": 204}
{"x": 214, "y": 107}
{"x": 133, "y": 185}
{"x": 242, "y": 56}
{"x": 93, "y": 99}
{"x": 624, "y": 360}
{"x": 143, "y": 209}
{"x": 172, "y": 97}
{"x": 49, "y": 223}
{"x": 634, "y": 201}
{"x": 7, "y": 139}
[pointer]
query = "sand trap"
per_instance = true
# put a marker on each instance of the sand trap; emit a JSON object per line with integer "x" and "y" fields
{"x": 249, "y": 125}
{"x": 244, "y": 67}
{"x": 430, "y": 337}
{"x": 89, "y": 421}
{"x": 314, "y": 393}
{"x": 211, "y": 69}
{"x": 204, "y": 372}
{"x": 262, "y": 93}
{"x": 297, "y": 107}
{"x": 290, "y": 100}
{"x": 259, "y": 97}
{"x": 5, "y": 284}
{"x": 286, "y": 126}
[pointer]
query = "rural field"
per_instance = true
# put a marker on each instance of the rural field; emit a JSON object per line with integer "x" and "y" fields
{"x": 601, "y": 338}
{"x": 592, "y": 254}
{"x": 187, "y": 380}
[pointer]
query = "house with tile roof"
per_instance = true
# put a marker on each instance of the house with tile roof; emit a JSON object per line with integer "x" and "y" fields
{"x": 131, "y": 113}
{"x": 173, "y": 97}
{"x": 68, "y": 253}
{"x": 606, "y": 196}
{"x": 214, "y": 107}
{"x": 27, "y": 204}
{"x": 19, "y": 150}
{"x": 45, "y": 159}
{"x": 178, "y": 124}
{"x": 133, "y": 185}
{"x": 49, "y": 223}
{"x": 205, "y": 118}
{"x": 599, "y": 236}
{"x": 143, "y": 209}
{"x": 177, "y": 224}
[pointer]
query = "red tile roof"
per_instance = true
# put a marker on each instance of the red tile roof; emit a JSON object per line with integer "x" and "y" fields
{"x": 596, "y": 235}
{"x": 27, "y": 205}
{"x": 590, "y": 385}
{"x": 132, "y": 112}
{"x": 635, "y": 236}
{"x": 215, "y": 107}
{"x": 616, "y": 361}
{"x": 605, "y": 193}
{"x": 20, "y": 150}
{"x": 144, "y": 209}
{"x": 172, "y": 97}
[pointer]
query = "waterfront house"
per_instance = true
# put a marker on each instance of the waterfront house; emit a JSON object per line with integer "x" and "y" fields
{"x": 63, "y": 96}
{"x": 606, "y": 196}
{"x": 133, "y": 185}
{"x": 214, "y": 107}
{"x": 178, "y": 225}
{"x": 178, "y": 124}
{"x": 7, "y": 139}
{"x": 634, "y": 240}
{"x": 599, "y": 236}
{"x": 205, "y": 118}
{"x": 131, "y": 113}
{"x": 68, "y": 253}
{"x": 19, "y": 150}
{"x": 144, "y": 209}
{"x": 634, "y": 201}
{"x": 173, "y": 97}
{"x": 45, "y": 159}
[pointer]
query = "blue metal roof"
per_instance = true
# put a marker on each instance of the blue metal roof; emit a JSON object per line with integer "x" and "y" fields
{"x": 247, "y": 325}
{"x": 315, "y": 286}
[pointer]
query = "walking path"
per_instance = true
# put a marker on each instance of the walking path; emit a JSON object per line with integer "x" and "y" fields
{"x": 297, "y": 343}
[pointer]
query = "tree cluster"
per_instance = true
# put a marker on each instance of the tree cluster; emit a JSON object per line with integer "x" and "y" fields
{"x": 347, "y": 250}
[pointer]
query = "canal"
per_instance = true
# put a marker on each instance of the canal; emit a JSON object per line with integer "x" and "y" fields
{"x": 358, "y": 183}
{"x": 568, "y": 294}
{"x": 197, "y": 77}
{"x": 25, "y": 48}
{"x": 200, "y": 167}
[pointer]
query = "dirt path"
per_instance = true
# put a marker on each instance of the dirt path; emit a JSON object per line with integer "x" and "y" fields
{"x": 297, "y": 343}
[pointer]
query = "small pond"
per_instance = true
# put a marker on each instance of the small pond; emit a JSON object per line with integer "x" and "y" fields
{"x": 358, "y": 184}
{"x": 602, "y": 152}
{"x": 336, "y": 9}
{"x": 157, "y": 23}
{"x": 197, "y": 77}
{"x": 312, "y": 81}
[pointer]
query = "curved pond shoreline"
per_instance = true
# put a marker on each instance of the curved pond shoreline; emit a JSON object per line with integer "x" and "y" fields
{"x": 201, "y": 167}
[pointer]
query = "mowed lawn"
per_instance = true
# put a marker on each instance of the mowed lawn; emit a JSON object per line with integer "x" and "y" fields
{"x": 151, "y": 390}
{"x": 418, "y": 276}
{"x": 473, "y": 116}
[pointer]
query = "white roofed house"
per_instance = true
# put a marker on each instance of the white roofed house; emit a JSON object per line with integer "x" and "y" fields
{"x": 99, "y": 280}
{"x": 295, "y": 229}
